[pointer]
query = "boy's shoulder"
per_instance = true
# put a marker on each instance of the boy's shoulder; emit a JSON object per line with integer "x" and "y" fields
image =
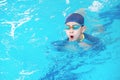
{"x": 97, "y": 43}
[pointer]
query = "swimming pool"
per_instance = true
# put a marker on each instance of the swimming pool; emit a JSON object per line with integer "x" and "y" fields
{"x": 27, "y": 27}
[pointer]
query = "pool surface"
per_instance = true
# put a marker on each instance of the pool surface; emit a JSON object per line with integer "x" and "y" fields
{"x": 28, "y": 27}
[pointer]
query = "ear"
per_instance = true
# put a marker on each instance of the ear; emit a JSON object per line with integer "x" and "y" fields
{"x": 83, "y": 29}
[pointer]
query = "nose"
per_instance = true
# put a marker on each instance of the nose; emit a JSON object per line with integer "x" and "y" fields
{"x": 71, "y": 31}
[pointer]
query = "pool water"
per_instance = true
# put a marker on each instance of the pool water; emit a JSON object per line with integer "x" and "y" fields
{"x": 27, "y": 28}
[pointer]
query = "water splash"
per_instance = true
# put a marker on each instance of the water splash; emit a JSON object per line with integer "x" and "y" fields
{"x": 67, "y": 1}
{"x": 16, "y": 24}
{"x": 3, "y": 3}
{"x": 96, "y": 6}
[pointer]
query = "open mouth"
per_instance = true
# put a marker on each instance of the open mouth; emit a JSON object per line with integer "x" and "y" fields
{"x": 71, "y": 37}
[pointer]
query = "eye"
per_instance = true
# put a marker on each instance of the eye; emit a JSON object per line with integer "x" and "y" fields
{"x": 76, "y": 27}
{"x": 67, "y": 27}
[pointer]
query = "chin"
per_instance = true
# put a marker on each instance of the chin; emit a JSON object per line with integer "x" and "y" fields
{"x": 72, "y": 39}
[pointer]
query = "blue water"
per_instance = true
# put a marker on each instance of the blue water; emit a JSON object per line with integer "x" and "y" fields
{"x": 27, "y": 27}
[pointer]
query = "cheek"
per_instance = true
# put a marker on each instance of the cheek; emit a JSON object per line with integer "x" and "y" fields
{"x": 67, "y": 32}
{"x": 77, "y": 32}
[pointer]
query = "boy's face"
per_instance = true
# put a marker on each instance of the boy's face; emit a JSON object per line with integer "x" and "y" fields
{"x": 74, "y": 31}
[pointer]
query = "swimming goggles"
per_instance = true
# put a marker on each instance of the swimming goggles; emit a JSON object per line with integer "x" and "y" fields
{"x": 74, "y": 27}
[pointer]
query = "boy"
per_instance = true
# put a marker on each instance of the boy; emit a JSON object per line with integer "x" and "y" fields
{"x": 75, "y": 32}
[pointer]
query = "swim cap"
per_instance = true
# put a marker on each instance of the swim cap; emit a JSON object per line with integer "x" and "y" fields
{"x": 75, "y": 17}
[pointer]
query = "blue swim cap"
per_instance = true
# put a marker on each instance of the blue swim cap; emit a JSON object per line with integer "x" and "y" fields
{"x": 75, "y": 17}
